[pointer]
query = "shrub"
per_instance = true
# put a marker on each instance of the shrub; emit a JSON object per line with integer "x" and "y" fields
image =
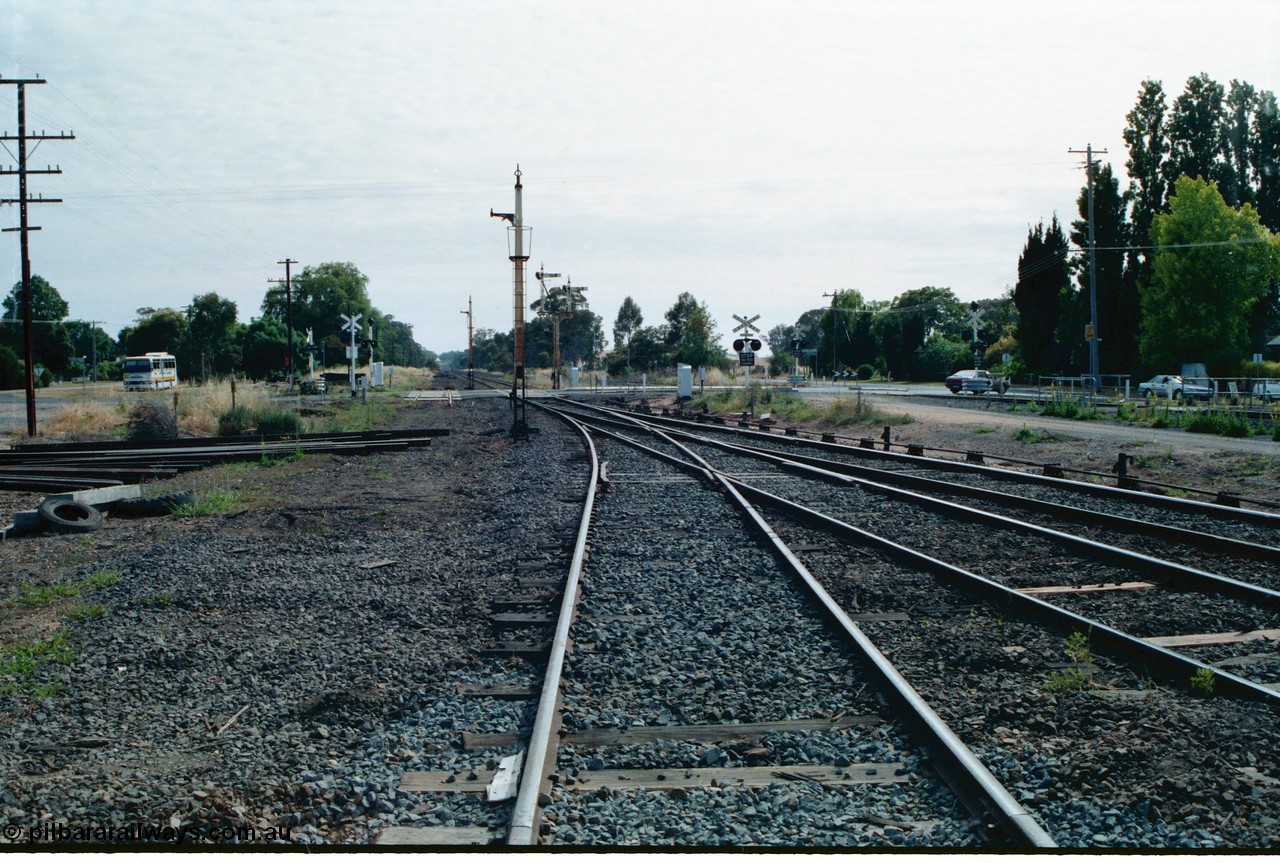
{"x": 1223, "y": 423}
{"x": 267, "y": 420}
{"x": 1072, "y": 409}
{"x": 866, "y": 372}
{"x": 152, "y": 420}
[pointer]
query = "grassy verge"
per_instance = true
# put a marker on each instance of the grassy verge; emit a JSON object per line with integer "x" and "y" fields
{"x": 789, "y": 407}
{"x": 209, "y": 503}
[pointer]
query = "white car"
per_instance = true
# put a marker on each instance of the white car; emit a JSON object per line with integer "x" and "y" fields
{"x": 1268, "y": 391}
{"x": 1172, "y": 387}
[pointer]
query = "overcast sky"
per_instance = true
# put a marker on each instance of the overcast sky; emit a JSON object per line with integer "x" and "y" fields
{"x": 757, "y": 154}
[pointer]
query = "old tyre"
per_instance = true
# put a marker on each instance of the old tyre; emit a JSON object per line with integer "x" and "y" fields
{"x": 1177, "y": 395}
{"x": 70, "y": 516}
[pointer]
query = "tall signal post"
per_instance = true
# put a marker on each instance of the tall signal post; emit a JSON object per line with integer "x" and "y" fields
{"x": 558, "y": 304}
{"x": 24, "y": 228}
{"x": 518, "y": 256}
{"x": 471, "y": 364}
{"x": 1092, "y": 333}
{"x": 287, "y": 281}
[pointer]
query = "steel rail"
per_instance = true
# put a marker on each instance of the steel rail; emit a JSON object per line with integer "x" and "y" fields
{"x": 1158, "y": 501}
{"x": 152, "y": 456}
{"x": 102, "y": 446}
{"x": 968, "y": 777}
{"x": 543, "y": 738}
{"x": 1175, "y": 573}
{"x": 793, "y": 461}
{"x": 1126, "y": 648}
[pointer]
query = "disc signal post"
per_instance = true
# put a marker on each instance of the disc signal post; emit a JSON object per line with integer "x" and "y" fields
{"x": 471, "y": 364}
{"x": 558, "y": 304}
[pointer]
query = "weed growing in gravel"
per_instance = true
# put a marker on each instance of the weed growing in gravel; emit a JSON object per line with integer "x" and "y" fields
{"x": 216, "y": 502}
{"x": 1026, "y": 435}
{"x": 1223, "y": 423}
{"x": 1072, "y": 409}
{"x": 20, "y": 663}
{"x": 1202, "y": 680}
{"x": 382, "y": 513}
{"x": 39, "y": 597}
{"x": 86, "y": 611}
{"x": 1073, "y": 679}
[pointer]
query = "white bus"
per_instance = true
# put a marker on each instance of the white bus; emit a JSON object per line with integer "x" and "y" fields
{"x": 151, "y": 371}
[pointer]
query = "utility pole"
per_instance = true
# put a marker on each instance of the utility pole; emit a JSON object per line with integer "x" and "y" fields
{"x": 1092, "y": 334}
{"x": 287, "y": 281}
{"x": 835, "y": 332}
{"x": 471, "y": 365}
{"x": 93, "y": 348}
{"x": 518, "y": 257}
{"x": 24, "y": 228}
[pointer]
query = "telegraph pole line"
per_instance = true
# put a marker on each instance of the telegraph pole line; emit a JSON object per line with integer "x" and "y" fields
{"x": 24, "y": 228}
{"x": 471, "y": 365}
{"x": 1094, "y": 371}
{"x": 287, "y": 281}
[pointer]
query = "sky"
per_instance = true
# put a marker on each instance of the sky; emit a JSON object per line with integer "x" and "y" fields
{"x": 759, "y": 155}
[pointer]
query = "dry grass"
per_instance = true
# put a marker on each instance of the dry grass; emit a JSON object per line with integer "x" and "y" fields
{"x": 86, "y": 420}
{"x": 200, "y": 405}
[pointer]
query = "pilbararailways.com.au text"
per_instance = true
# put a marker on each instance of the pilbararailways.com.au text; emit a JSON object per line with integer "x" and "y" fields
{"x": 56, "y": 832}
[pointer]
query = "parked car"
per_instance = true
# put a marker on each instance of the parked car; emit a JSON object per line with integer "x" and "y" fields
{"x": 1268, "y": 391}
{"x": 1173, "y": 387}
{"x": 976, "y": 381}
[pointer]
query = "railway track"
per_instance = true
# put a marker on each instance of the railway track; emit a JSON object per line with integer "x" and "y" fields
{"x": 1082, "y": 643}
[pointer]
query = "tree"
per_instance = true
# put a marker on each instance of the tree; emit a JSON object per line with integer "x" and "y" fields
{"x": 1237, "y": 185}
{"x": 1148, "y": 144}
{"x": 320, "y": 295}
{"x": 1212, "y": 265}
{"x": 88, "y": 341}
{"x": 46, "y": 303}
{"x": 648, "y": 349}
{"x": 396, "y": 345}
{"x": 213, "y": 340}
{"x": 1197, "y": 137}
{"x": 161, "y": 330}
{"x": 700, "y": 343}
{"x": 1119, "y": 310}
{"x": 1264, "y": 152}
{"x": 264, "y": 347}
{"x": 913, "y": 320}
{"x": 677, "y": 316}
{"x": 626, "y": 323}
{"x": 844, "y": 333}
{"x": 1042, "y": 279}
{"x": 51, "y": 345}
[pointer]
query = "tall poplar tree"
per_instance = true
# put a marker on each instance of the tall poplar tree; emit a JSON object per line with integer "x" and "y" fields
{"x": 1042, "y": 279}
{"x": 1197, "y": 133}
